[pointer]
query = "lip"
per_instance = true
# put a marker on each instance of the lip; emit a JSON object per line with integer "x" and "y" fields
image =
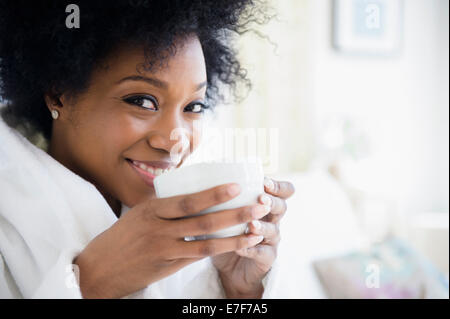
{"x": 146, "y": 176}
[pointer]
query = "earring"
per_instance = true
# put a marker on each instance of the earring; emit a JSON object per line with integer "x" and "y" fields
{"x": 55, "y": 114}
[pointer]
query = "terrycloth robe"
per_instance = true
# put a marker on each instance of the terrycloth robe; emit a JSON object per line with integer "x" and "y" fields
{"x": 48, "y": 214}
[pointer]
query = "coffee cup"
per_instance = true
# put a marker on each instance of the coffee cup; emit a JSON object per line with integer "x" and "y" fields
{"x": 198, "y": 177}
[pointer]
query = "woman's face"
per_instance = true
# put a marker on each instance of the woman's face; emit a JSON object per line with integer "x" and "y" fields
{"x": 129, "y": 115}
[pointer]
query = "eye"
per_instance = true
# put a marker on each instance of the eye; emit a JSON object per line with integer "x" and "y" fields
{"x": 144, "y": 101}
{"x": 196, "y": 107}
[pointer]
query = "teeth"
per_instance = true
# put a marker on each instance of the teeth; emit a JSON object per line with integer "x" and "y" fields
{"x": 151, "y": 170}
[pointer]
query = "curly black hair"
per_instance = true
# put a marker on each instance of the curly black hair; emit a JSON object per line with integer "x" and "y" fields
{"x": 40, "y": 54}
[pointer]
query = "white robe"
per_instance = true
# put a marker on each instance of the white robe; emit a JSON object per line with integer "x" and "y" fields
{"x": 48, "y": 214}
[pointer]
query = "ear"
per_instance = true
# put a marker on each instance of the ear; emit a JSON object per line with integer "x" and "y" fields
{"x": 53, "y": 100}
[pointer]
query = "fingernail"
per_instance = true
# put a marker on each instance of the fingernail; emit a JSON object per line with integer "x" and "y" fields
{"x": 256, "y": 224}
{"x": 265, "y": 199}
{"x": 234, "y": 189}
{"x": 268, "y": 183}
{"x": 267, "y": 209}
{"x": 256, "y": 239}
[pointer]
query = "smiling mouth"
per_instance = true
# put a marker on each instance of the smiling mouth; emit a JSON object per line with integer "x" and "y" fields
{"x": 148, "y": 172}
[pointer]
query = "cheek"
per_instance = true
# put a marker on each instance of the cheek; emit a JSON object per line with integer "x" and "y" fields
{"x": 105, "y": 136}
{"x": 122, "y": 133}
{"x": 111, "y": 136}
{"x": 111, "y": 139}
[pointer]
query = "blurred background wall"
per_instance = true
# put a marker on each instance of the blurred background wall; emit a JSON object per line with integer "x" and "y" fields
{"x": 378, "y": 123}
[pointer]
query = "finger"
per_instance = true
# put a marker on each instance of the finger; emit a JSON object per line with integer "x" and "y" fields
{"x": 188, "y": 205}
{"x": 277, "y": 205}
{"x": 271, "y": 218}
{"x": 210, "y": 223}
{"x": 279, "y": 189}
{"x": 263, "y": 254}
{"x": 270, "y": 231}
{"x": 216, "y": 246}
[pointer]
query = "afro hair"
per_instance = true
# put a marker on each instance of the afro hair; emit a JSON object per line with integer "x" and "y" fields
{"x": 39, "y": 54}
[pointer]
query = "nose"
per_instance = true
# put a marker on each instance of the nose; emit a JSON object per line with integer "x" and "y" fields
{"x": 170, "y": 134}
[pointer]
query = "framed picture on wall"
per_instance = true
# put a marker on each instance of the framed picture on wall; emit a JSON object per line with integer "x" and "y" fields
{"x": 371, "y": 27}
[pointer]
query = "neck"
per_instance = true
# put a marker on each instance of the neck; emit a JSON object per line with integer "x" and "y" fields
{"x": 115, "y": 204}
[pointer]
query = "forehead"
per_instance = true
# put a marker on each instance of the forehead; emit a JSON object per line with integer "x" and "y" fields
{"x": 186, "y": 66}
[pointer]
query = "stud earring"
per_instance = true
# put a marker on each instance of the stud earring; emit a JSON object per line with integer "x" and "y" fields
{"x": 55, "y": 114}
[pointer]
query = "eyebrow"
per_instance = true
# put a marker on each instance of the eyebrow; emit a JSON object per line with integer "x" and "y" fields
{"x": 155, "y": 82}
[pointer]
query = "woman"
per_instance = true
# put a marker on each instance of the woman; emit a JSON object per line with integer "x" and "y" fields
{"x": 106, "y": 92}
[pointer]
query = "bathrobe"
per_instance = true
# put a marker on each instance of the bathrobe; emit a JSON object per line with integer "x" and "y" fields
{"x": 48, "y": 214}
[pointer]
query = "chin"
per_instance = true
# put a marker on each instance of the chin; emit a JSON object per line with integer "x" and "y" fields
{"x": 139, "y": 197}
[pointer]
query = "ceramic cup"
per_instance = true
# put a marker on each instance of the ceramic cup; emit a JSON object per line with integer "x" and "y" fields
{"x": 202, "y": 176}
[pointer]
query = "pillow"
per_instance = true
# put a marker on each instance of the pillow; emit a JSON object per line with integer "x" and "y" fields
{"x": 390, "y": 269}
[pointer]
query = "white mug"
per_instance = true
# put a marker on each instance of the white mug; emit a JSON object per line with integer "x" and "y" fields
{"x": 198, "y": 177}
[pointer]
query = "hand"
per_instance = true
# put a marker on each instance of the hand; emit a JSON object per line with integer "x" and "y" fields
{"x": 147, "y": 244}
{"x": 242, "y": 271}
